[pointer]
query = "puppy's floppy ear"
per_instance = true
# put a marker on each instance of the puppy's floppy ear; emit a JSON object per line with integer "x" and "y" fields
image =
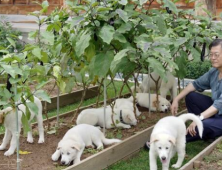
{"x": 154, "y": 139}
{"x": 76, "y": 146}
{"x": 172, "y": 140}
{"x": 155, "y": 104}
{"x": 128, "y": 117}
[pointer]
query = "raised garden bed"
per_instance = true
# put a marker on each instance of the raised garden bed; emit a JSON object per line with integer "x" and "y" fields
{"x": 41, "y": 154}
{"x": 212, "y": 162}
{"x": 70, "y": 98}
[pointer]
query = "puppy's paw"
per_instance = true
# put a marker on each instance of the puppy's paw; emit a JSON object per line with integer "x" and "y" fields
{"x": 55, "y": 157}
{"x": 127, "y": 126}
{"x": 2, "y": 148}
{"x": 176, "y": 166}
{"x": 8, "y": 153}
{"x": 41, "y": 140}
{"x": 30, "y": 140}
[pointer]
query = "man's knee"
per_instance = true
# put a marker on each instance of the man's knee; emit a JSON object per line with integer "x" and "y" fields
{"x": 190, "y": 96}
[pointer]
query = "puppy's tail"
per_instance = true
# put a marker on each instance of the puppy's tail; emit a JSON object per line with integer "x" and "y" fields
{"x": 196, "y": 119}
{"x": 110, "y": 141}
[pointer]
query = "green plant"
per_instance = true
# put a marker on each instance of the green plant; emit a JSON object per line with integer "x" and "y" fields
{"x": 197, "y": 69}
{"x": 8, "y": 35}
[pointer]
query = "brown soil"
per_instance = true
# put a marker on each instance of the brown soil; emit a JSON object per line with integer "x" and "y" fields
{"x": 213, "y": 161}
{"x": 40, "y": 157}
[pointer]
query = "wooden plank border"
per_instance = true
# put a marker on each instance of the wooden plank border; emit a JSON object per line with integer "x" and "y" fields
{"x": 190, "y": 165}
{"x": 70, "y": 98}
{"x": 115, "y": 153}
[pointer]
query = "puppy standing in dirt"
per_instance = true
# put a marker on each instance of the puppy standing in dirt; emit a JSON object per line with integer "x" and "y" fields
{"x": 169, "y": 137}
{"x": 164, "y": 86}
{"x": 71, "y": 147}
{"x": 9, "y": 116}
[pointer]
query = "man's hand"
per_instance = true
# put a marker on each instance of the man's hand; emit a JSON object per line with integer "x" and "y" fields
{"x": 174, "y": 107}
{"x": 191, "y": 129}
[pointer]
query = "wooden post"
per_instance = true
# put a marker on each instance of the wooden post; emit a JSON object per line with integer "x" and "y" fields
{"x": 210, "y": 5}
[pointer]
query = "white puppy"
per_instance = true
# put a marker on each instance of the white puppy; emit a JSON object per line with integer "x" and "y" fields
{"x": 76, "y": 139}
{"x": 143, "y": 100}
{"x": 10, "y": 125}
{"x": 169, "y": 137}
{"x": 122, "y": 117}
{"x": 164, "y": 86}
{"x": 123, "y": 103}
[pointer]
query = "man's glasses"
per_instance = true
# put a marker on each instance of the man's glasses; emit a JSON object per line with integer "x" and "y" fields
{"x": 215, "y": 55}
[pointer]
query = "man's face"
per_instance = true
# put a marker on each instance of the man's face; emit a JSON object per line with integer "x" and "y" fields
{"x": 216, "y": 56}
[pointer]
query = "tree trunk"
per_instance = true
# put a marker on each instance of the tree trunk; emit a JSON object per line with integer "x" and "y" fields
{"x": 210, "y": 5}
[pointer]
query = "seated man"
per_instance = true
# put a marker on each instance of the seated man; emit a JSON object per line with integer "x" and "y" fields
{"x": 208, "y": 108}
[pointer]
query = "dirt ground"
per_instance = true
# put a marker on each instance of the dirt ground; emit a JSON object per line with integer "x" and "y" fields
{"x": 40, "y": 156}
{"x": 213, "y": 161}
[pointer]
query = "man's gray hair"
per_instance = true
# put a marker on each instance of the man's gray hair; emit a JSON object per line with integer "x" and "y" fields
{"x": 215, "y": 43}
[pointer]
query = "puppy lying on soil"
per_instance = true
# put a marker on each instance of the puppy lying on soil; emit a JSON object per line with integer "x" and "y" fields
{"x": 72, "y": 145}
{"x": 169, "y": 137}
{"x": 121, "y": 118}
{"x": 9, "y": 117}
{"x": 143, "y": 100}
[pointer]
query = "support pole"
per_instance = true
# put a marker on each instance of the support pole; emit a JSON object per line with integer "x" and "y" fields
{"x": 104, "y": 115}
{"x": 58, "y": 92}
{"x": 17, "y": 131}
{"x": 149, "y": 90}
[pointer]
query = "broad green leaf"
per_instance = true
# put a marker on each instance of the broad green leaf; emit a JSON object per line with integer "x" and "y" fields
{"x": 37, "y": 52}
{"x": 9, "y": 69}
{"x": 45, "y": 4}
{"x": 90, "y": 52}
{"x": 180, "y": 41}
{"x": 156, "y": 65}
{"x": 171, "y": 5}
{"x": 181, "y": 62}
{"x": 7, "y": 94}
{"x": 125, "y": 27}
{"x": 106, "y": 33}
{"x": 32, "y": 106}
{"x": 144, "y": 45}
{"x": 119, "y": 37}
{"x": 42, "y": 84}
{"x": 42, "y": 95}
{"x": 117, "y": 59}
{"x": 70, "y": 84}
{"x": 195, "y": 54}
{"x": 161, "y": 24}
{"x": 102, "y": 63}
{"x": 4, "y": 51}
{"x": 82, "y": 43}
{"x": 12, "y": 42}
{"x": 123, "y": 15}
{"x": 57, "y": 72}
{"x": 101, "y": 9}
{"x": 75, "y": 21}
{"x": 48, "y": 37}
{"x": 25, "y": 123}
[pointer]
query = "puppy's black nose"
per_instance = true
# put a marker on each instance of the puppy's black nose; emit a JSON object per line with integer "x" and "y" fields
{"x": 63, "y": 162}
{"x": 163, "y": 158}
